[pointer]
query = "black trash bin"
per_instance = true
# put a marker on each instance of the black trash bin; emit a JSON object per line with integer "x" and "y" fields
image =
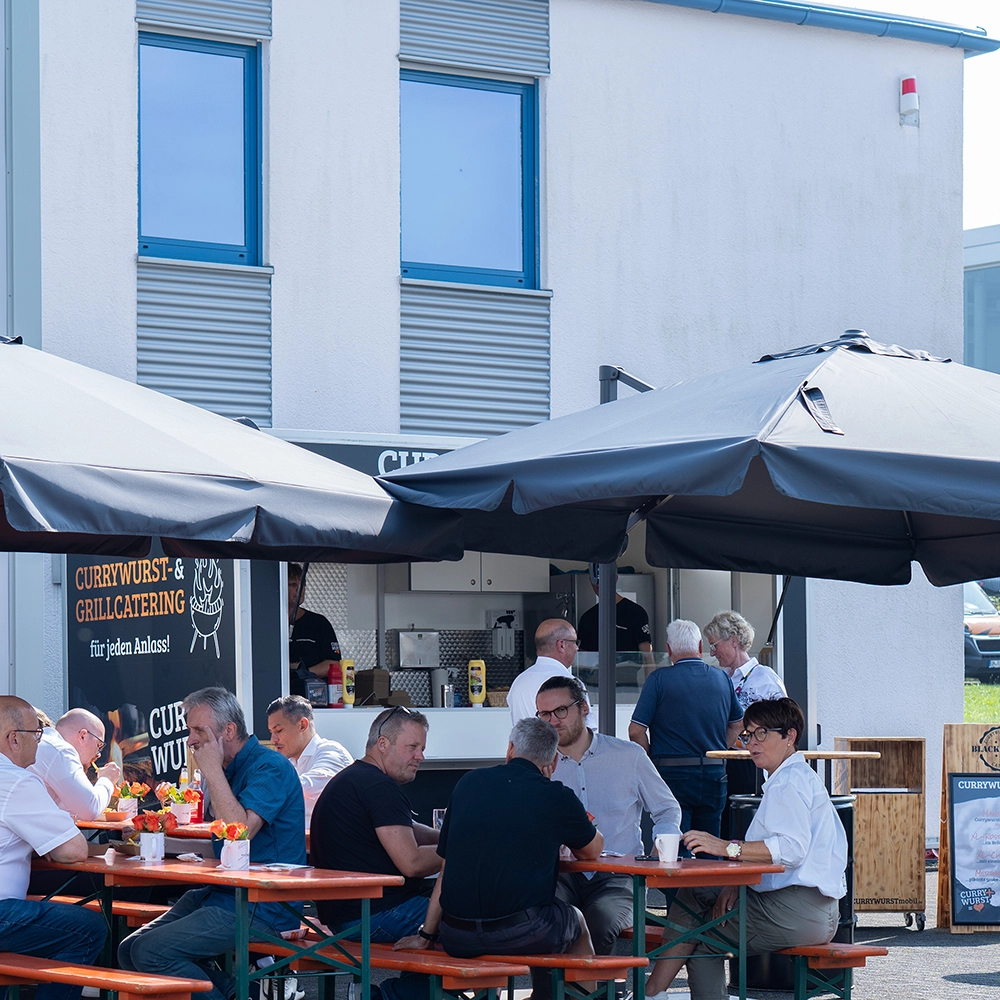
{"x": 772, "y": 971}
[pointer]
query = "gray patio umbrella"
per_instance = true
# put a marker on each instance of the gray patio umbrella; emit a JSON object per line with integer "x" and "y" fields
{"x": 93, "y": 464}
{"x": 846, "y": 460}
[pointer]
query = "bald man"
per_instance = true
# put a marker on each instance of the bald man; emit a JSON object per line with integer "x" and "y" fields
{"x": 31, "y": 821}
{"x": 556, "y": 645}
{"x": 64, "y": 756}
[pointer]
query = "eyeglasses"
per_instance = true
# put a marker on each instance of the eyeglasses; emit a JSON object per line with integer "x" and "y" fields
{"x": 757, "y": 735}
{"x": 398, "y": 708}
{"x": 560, "y": 713}
{"x": 100, "y": 743}
{"x": 576, "y": 642}
{"x": 37, "y": 733}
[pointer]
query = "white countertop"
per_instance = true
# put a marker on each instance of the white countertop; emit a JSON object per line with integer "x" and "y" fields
{"x": 475, "y": 735}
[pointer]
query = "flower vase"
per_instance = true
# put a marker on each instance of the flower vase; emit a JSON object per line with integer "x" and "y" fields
{"x": 151, "y": 847}
{"x": 182, "y": 810}
{"x": 235, "y": 855}
{"x": 128, "y": 807}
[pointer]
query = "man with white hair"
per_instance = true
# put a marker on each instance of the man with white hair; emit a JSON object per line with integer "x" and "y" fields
{"x": 683, "y": 712}
{"x": 65, "y": 753}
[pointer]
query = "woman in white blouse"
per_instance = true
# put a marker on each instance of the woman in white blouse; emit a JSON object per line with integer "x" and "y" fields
{"x": 795, "y": 826}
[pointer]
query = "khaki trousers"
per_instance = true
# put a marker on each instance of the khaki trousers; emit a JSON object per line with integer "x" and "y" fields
{"x": 784, "y": 918}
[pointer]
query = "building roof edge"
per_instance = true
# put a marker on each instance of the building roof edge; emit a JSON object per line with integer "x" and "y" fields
{"x": 866, "y": 22}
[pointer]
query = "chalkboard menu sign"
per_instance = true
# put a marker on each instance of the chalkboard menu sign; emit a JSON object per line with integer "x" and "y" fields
{"x": 974, "y": 821}
{"x": 142, "y": 635}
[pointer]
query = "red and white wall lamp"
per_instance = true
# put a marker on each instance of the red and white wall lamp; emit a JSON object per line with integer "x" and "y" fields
{"x": 909, "y": 101}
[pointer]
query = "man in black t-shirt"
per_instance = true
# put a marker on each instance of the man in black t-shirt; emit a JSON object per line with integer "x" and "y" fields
{"x": 312, "y": 642}
{"x": 501, "y": 840}
{"x": 631, "y": 632}
{"x": 363, "y": 823}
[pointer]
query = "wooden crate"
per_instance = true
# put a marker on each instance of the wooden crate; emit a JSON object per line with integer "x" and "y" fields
{"x": 889, "y": 818}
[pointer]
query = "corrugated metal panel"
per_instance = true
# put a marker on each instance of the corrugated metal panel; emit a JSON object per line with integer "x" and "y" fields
{"x": 472, "y": 362}
{"x": 232, "y": 17}
{"x": 505, "y": 35}
{"x": 204, "y": 336}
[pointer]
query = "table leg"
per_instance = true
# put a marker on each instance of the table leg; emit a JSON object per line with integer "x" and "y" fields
{"x": 366, "y": 941}
{"x": 638, "y": 933}
{"x": 743, "y": 942}
{"x": 242, "y": 944}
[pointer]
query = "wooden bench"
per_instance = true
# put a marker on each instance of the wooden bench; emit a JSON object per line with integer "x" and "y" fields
{"x": 135, "y": 914}
{"x": 448, "y": 975}
{"x": 828, "y": 968}
{"x": 607, "y": 969}
{"x": 654, "y": 936}
{"x": 28, "y": 970}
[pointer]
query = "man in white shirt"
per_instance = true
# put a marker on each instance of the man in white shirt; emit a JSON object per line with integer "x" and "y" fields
{"x": 31, "y": 821}
{"x": 556, "y": 645}
{"x": 293, "y": 733}
{"x": 64, "y": 755}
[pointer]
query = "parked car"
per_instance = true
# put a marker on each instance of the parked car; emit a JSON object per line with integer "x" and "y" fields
{"x": 982, "y": 634}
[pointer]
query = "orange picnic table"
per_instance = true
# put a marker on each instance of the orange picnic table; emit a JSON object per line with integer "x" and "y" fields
{"x": 688, "y": 873}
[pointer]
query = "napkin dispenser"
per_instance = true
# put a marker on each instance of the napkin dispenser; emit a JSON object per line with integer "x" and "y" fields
{"x": 420, "y": 650}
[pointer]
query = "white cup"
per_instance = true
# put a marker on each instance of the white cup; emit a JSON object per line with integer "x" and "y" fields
{"x": 667, "y": 845}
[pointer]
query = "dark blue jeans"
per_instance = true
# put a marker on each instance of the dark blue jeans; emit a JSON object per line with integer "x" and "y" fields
{"x": 701, "y": 793}
{"x": 51, "y": 930}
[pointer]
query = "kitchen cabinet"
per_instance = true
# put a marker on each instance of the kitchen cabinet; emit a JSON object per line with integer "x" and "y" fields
{"x": 481, "y": 572}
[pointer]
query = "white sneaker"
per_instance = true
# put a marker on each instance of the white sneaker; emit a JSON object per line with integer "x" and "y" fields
{"x": 292, "y": 991}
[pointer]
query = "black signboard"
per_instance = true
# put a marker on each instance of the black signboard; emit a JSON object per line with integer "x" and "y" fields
{"x": 143, "y": 634}
{"x": 974, "y": 807}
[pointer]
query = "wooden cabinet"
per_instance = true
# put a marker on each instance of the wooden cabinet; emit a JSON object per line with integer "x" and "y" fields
{"x": 482, "y": 572}
{"x": 888, "y": 823}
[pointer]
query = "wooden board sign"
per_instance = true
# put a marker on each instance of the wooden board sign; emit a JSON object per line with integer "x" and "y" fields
{"x": 974, "y": 832}
{"x": 969, "y": 748}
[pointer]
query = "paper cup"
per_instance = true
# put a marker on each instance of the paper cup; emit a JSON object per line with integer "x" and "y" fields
{"x": 128, "y": 807}
{"x": 667, "y": 845}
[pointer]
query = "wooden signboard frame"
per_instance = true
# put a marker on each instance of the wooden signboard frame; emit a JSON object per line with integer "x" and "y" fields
{"x": 969, "y": 748}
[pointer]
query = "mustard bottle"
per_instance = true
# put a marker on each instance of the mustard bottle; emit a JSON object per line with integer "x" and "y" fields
{"x": 477, "y": 683}
{"x": 347, "y": 666}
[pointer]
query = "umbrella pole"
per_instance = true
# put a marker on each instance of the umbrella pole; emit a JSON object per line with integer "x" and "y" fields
{"x": 607, "y": 589}
{"x": 607, "y": 645}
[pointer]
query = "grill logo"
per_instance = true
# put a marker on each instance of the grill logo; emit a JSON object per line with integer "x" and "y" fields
{"x": 988, "y": 748}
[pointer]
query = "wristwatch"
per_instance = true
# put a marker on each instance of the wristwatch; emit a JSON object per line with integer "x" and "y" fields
{"x": 426, "y": 936}
{"x": 734, "y": 849}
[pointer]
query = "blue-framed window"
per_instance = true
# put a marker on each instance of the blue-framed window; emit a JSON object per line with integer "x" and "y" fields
{"x": 468, "y": 179}
{"x": 199, "y": 149}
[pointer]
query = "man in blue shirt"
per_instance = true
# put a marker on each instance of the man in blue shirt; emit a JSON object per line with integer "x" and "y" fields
{"x": 688, "y": 709}
{"x": 246, "y": 783}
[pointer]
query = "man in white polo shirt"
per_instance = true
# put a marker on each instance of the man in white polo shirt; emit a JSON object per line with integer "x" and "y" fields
{"x": 556, "y": 645}
{"x": 64, "y": 755}
{"x": 293, "y": 733}
{"x": 31, "y": 821}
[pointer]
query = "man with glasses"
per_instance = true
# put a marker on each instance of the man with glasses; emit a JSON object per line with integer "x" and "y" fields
{"x": 615, "y": 781}
{"x": 684, "y": 711}
{"x": 363, "y": 823}
{"x": 556, "y": 645}
{"x": 31, "y": 822}
{"x": 65, "y": 754}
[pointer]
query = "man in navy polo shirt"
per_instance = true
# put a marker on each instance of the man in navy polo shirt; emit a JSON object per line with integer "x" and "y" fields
{"x": 246, "y": 783}
{"x": 688, "y": 709}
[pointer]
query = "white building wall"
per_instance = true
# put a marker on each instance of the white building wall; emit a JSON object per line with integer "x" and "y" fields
{"x": 333, "y": 208}
{"x": 89, "y": 184}
{"x": 720, "y": 186}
